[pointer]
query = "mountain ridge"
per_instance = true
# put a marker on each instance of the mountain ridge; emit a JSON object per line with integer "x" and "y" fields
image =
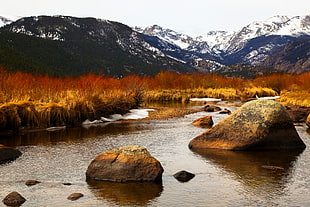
{"x": 222, "y": 46}
{"x": 153, "y": 48}
{"x": 100, "y": 46}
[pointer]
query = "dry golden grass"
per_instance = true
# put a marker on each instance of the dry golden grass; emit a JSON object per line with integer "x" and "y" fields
{"x": 300, "y": 98}
{"x": 167, "y": 112}
{"x": 70, "y": 110}
{"x": 175, "y": 95}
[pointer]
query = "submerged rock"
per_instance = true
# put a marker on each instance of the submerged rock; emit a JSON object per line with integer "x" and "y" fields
{"x": 8, "y": 153}
{"x": 125, "y": 164}
{"x": 209, "y": 108}
{"x": 257, "y": 125}
{"x": 183, "y": 176}
{"x": 32, "y": 182}
{"x": 14, "y": 199}
{"x": 204, "y": 122}
{"x": 75, "y": 196}
{"x": 225, "y": 111}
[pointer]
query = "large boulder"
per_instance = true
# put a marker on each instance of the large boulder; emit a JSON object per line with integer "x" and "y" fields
{"x": 125, "y": 164}
{"x": 8, "y": 153}
{"x": 257, "y": 125}
{"x": 308, "y": 121}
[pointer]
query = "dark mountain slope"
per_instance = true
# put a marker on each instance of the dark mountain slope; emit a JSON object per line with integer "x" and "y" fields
{"x": 294, "y": 57}
{"x": 74, "y": 46}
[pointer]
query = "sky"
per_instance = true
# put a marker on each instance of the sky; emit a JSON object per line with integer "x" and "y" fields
{"x": 192, "y": 17}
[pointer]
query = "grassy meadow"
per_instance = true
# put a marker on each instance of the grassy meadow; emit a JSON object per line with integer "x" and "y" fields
{"x": 39, "y": 101}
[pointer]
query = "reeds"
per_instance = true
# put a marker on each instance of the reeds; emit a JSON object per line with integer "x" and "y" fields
{"x": 175, "y": 95}
{"x": 37, "y": 101}
{"x": 300, "y": 98}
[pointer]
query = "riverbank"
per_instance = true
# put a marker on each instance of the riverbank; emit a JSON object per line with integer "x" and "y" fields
{"x": 30, "y": 101}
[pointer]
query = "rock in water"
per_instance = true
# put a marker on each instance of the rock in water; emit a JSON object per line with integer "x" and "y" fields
{"x": 125, "y": 164}
{"x": 14, "y": 199}
{"x": 257, "y": 125}
{"x": 32, "y": 182}
{"x": 8, "y": 153}
{"x": 183, "y": 176}
{"x": 308, "y": 121}
{"x": 204, "y": 122}
{"x": 75, "y": 196}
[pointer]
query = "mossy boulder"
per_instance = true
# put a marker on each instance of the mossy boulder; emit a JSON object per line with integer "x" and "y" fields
{"x": 125, "y": 164}
{"x": 257, "y": 125}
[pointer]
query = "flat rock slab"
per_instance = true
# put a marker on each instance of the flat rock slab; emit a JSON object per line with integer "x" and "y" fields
{"x": 257, "y": 125}
{"x": 125, "y": 164}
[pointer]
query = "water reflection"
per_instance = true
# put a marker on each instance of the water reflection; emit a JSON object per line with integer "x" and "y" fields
{"x": 248, "y": 168}
{"x": 126, "y": 194}
{"x": 69, "y": 135}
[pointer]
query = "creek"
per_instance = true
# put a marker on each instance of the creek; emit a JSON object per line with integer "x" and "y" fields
{"x": 223, "y": 178}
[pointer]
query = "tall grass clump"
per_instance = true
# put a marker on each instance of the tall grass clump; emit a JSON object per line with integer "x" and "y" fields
{"x": 37, "y": 101}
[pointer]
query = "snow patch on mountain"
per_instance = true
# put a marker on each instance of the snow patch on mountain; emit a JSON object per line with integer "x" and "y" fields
{"x": 7, "y": 19}
{"x": 181, "y": 40}
{"x": 218, "y": 45}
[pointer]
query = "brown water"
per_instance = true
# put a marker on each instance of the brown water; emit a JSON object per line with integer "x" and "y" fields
{"x": 222, "y": 178}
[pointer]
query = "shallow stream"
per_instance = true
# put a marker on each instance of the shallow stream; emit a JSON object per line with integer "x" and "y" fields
{"x": 222, "y": 178}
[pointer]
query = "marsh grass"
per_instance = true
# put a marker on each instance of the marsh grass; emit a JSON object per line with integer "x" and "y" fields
{"x": 38, "y": 101}
{"x": 175, "y": 95}
{"x": 299, "y": 98}
{"x": 168, "y": 112}
{"x": 67, "y": 112}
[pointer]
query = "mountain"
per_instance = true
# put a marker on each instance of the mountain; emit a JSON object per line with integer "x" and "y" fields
{"x": 294, "y": 57}
{"x": 251, "y": 44}
{"x": 74, "y": 46}
{"x": 4, "y": 21}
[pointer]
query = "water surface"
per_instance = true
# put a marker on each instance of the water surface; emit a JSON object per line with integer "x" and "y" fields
{"x": 222, "y": 178}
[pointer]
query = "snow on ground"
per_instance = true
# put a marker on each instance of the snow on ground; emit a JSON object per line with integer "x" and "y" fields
{"x": 133, "y": 114}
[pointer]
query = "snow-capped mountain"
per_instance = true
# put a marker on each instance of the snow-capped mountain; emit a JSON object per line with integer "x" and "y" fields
{"x": 250, "y": 44}
{"x": 86, "y": 44}
{"x": 4, "y": 20}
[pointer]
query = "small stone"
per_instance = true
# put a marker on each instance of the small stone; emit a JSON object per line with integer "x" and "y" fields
{"x": 183, "y": 176}
{"x": 225, "y": 111}
{"x": 209, "y": 108}
{"x": 204, "y": 122}
{"x": 67, "y": 183}
{"x": 32, "y": 182}
{"x": 75, "y": 196}
{"x": 14, "y": 199}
